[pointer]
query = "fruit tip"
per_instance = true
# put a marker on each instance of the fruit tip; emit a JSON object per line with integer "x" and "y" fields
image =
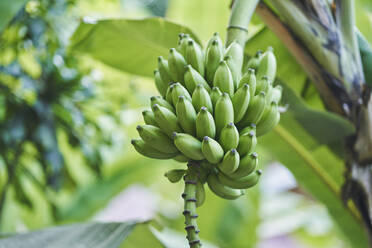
{"x": 255, "y": 155}
{"x": 233, "y": 151}
{"x": 138, "y": 127}
{"x": 190, "y": 42}
{"x": 206, "y": 138}
{"x": 251, "y": 133}
{"x": 174, "y": 135}
{"x": 172, "y": 50}
{"x": 203, "y": 109}
{"x": 259, "y": 172}
{"x": 251, "y": 70}
{"x": 262, "y": 93}
{"x": 214, "y": 43}
{"x": 155, "y": 106}
{"x": 133, "y": 141}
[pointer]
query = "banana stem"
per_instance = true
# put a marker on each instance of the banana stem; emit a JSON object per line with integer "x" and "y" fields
{"x": 189, "y": 196}
{"x": 241, "y": 14}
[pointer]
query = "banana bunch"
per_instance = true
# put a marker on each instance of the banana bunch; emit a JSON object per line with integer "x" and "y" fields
{"x": 211, "y": 109}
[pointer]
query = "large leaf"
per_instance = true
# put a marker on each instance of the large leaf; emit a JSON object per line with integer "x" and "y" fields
{"x": 8, "y": 8}
{"x": 91, "y": 235}
{"x": 129, "y": 45}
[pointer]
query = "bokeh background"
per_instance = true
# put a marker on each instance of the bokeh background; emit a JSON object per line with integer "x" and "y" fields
{"x": 66, "y": 121}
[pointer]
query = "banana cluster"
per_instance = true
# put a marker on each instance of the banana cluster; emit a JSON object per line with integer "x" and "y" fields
{"x": 211, "y": 110}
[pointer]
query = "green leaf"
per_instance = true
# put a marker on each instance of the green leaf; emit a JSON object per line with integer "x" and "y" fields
{"x": 299, "y": 144}
{"x": 366, "y": 57}
{"x": 8, "y": 8}
{"x": 108, "y": 235}
{"x": 128, "y": 45}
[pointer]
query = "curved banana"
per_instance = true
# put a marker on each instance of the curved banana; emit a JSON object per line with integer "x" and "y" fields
{"x": 230, "y": 162}
{"x": 186, "y": 115}
{"x": 276, "y": 95}
{"x": 164, "y": 70}
{"x": 161, "y": 86}
{"x": 269, "y": 119}
{"x": 156, "y": 138}
{"x": 247, "y": 143}
{"x": 176, "y": 64}
{"x": 194, "y": 56}
{"x": 193, "y": 78}
{"x": 215, "y": 95}
{"x": 188, "y": 145}
{"x": 247, "y": 165}
{"x": 222, "y": 190}
{"x": 146, "y": 150}
{"x": 267, "y": 65}
{"x": 212, "y": 150}
{"x": 161, "y": 102}
{"x": 240, "y": 183}
{"x": 224, "y": 112}
{"x": 166, "y": 120}
{"x": 229, "y": 137}
{"x": 254, "y": 62}
{"x": 223, "y": 79}
{"x": 240, "y": 101}
{"x": 250, "y": 127}
{"x": 263, "y": 84}
{"x": 213, "y": 57}
{"x": 182, "y": 43}
{"x": 201, "y": 98}
{"x": 149, "y": 118}
{"x": 255, "y": 110}
{"x": 175, "y": 176}
{"x": 249, "y": 78}
{"x": 235, "y": 63}
{"x": 179, "y": 90}
{"x": 205, "y": 125}
{"x": 169, "y": 95}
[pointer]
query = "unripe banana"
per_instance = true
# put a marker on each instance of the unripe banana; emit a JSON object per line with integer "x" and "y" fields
{"x": 200, "y": 194}
{"x": 223, "y": 79}
{"x": 247, "y": 165}
{"x": 161, "y": 102}
{"x": 166, "y": 120}
{"x": 181, "y": 158}
{"x": 164, "y": 70}
{"x": 201, "y": 98}
{"x": 213, "y": 57}
{"x": 230, "y": 162}
{"x": 235, "y": 63}
{"x": 247, "y": 143}
{"x": 179, "y": 90}
{"x": 269, "y": 119}
{"x": 175, "y": 176}
{"x": 176, "y": 64}
{"x": 195, "y": 57}
{"x": 222, "y": 190}
{"x": 254, "y": 62}
{"x": 215, "y": 39}
{"x": 188, "y": 145}
{"x": 146, "y": 150}
{"x": 149, "y": 118}
{"x": 205, "y": 125}
{"x": 156, "y": 138}
{"x": 186, "y": 115}
{"x": 212, "y": 150}
{"x": 240, "y": 183}
{"x": 224, "y": 112}
{"x": 182, "y": 44}
{"x": 215, "y": 95}
{"x": 267, "y": 65}
{"x": 193, "y": 78}
{"x": 250, "y": 127}
{"x": 169, "y": 95}
{"x": 161, "y": 86}
{"x": 262, "y": 84}
{"x": 240, "y": 102}
{"x": 249, "y": 78}
{"x": 229, "y": 137}
{"x": 255, "y": 110}
{"x": 276, "y": 94}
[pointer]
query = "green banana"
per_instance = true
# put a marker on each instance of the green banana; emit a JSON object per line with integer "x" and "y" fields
{"x": 166, "y": 120}
{"x": 224, "y": 112}
{"x": 193, "y": 78}
{"x": 267, "y": 65}
{"x": 247, "y": 165}
{"x": 164, "y": 70}
{"x": 255, "y": 110}
{"x": 179, "y": 90}
{"x": 254, "y": 62}
{"x": 186, "y": 115}
{"x": 182, "y": 43}
{"x": 188, "y": 145}
{"x": 235, "y": 62}
{"x": 223, "y": 79}
{"x": 169, "y": 95}
{"x": 149, "y": 118}
{"x": 247, "y": 143}
{"x": 195, "y": 57}
{"x": 215, "y": 39}
{"x": 269, "y": 119}
{"x": 263, "y": 84}
{"x": 176, "y": 64}
{"x": 240, "y": 101}
{"x": 201, "y": 98}
{"x": 230, "y": 162}
{"x": 240, "y": 183}
{"x": 161, "y": 102}
{"x": 229, "y": 137}
{"x": 212, "y": 150}
{"x": 250, "y": 127}
{"x": 146, "y": 150}
{"x": 200, "y": 194}
{"x": 181, "y": 158}
{"x": 175, "y": 176}
{"x": 161, "y": 86}
{"x": 249, "y": 78}
{"x": 215, "y": 95}
{"x": 222, "y": 190}
{"x": 205, "y": 125}
{"x": 276, "y": 94}
{"x": 213, "y": 57}
{"x": 156, "y": 138}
